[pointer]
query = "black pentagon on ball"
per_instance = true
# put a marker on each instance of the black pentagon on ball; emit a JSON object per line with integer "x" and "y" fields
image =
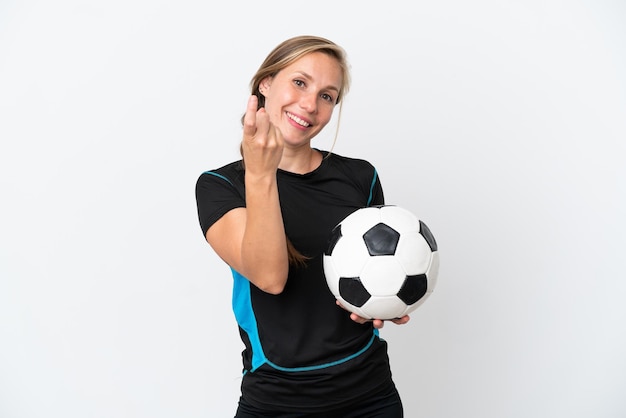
{"x": 352, "y": 291}
{"x": 413, "y": 289}
{"x": 332, "y": 241}
{"x": 381, "y": 239}
{"x": 428, "y": 236}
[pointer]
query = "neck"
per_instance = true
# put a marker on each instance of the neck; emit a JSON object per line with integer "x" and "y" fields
{"x": 300, "y": 160}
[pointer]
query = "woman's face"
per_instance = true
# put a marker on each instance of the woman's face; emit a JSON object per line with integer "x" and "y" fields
{"x": 300, "y": 99}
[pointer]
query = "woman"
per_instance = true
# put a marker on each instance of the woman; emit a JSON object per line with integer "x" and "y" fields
{"x": 269, "y": 217}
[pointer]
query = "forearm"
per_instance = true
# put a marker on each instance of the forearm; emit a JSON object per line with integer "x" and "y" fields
{"x": 264, "y": 244}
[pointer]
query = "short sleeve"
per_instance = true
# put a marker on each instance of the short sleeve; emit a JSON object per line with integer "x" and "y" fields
{"x": 216, "y": 194}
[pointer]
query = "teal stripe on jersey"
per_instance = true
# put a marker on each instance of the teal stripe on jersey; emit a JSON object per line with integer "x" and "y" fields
{"x": 369, "y": 199}
{"x": 242, "y": 306}
{"x": 244, "y": 314}
{"x": 323, "y": 366}
{"x": 219, "y": 175}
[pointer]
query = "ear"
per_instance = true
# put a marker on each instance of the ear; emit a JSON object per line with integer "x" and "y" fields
{"x": 264, "y": 85}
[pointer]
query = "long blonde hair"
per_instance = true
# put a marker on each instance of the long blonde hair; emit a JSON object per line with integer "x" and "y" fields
{"x": 282, "y": 56}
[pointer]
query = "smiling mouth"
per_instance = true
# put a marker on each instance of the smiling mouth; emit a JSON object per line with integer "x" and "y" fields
{"x": 297, "y": 120}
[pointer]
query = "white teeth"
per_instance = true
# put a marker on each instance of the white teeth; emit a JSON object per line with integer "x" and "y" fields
{"x": 298, "y": 120}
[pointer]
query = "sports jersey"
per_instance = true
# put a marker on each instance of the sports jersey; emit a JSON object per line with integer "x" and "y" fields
{"x": 302, "y": 352}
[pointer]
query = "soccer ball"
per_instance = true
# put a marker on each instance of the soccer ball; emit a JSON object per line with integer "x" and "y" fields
{"x": 382, "y": 262}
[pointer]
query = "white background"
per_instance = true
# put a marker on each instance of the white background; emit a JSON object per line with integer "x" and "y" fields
{"x": 500, "y": 123}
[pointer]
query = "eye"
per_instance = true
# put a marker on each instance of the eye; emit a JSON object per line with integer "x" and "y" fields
{"x": 327, "y": 97}
{"x": 299, "y": 83}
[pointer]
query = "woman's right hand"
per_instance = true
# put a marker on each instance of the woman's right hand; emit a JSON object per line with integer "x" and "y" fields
{"x": 262, "y": 143}
{"x": 252, "y": 239}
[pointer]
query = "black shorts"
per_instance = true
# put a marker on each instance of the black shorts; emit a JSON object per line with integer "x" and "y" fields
{"x": 386, "y": 404}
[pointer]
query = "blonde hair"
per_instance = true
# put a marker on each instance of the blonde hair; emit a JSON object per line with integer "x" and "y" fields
{"x": 282, "y": 56}
{"x": 294, "y": 48}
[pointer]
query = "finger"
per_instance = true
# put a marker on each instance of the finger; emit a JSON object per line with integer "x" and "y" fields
{"x": 263, "y": 125}
{"x": 340, "y": 305}
{"x": 401, "y": 321}
{"x": 249, "y": 119}
{"x": 358, "y": 319}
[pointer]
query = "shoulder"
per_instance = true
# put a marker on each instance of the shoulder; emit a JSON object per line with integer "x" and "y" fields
{"x": 225, "y": 181}
{"x": 231, "y": 173}
{"x": 218, "y": 191}
{"x": 339, "y": 159}
{"x": 359, "y": 172}
{"x": 355, "y": 166}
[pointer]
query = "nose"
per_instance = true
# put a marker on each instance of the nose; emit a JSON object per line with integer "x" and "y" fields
{"x": 308, "y": 102}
